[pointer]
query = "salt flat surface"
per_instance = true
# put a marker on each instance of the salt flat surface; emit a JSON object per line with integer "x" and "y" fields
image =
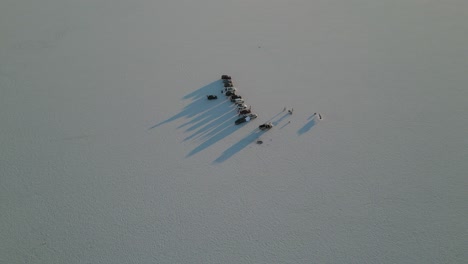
{"x": 110, "y": 152}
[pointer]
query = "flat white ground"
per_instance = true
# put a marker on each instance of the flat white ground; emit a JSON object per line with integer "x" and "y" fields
{"x": 110, "y": 152}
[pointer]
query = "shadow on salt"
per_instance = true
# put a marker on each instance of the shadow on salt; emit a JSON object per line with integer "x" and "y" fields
{"x": 308, "y": 126}
{"x": 197, "y": 106}
{"x": 252, "y": 137}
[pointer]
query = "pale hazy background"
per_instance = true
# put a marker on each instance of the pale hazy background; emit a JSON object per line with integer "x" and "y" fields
{"x": 110, "y": 153}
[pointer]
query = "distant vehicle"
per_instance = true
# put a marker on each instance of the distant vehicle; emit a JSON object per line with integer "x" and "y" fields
{"x": 228, "y": 84}
{"x": 251, "y": 115}
{"x": 234, "y": 97}
{"x": 238, "y": 101}
{"x": 242, "y": 120}
{"x": 229, "y": 93}
{"x": 265, "y": 126}
{"x": 241, "y": 106}
{"x": 212, "y": 97}
{"x": 225, "y": 77}
{"x": 244, "y": 112}
{"x": 230, "y": 89}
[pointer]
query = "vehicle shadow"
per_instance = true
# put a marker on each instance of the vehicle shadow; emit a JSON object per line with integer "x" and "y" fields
{"x": 211, "y": 88}
{"x": 208, "y": 116}
{"x": 208, "y": 121}
{"x": 213, "y": 127}
{"x": 253, "y": 136}
{"x": 231, "y": 151}
{"x": 217, "y": 136}
{"x": 307, "y": 126}
{"x": 275, "y": 116}
{"x": 198, "y": 104}
{"x": 275, "y": 123}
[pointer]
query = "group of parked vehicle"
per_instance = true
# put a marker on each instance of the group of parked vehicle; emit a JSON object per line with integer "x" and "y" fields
{"x": 244, "y": 111}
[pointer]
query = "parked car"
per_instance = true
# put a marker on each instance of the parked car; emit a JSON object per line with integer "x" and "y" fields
{"x": 241, "y": 106}
{"x": 234, "y": 97}
{"x": 225, "y": 77}
{"x": 229, "y": 93}
{"x": 251, "y": 115}
{"x": 211, "y": 97}
{"x": 265, "y": 126}
{"x": 238, "y": 101}
{"x": 230, "y": 89}
{"x": 244, "y": 112}
{"x": 228, "y": 84}
{"x": 242, "y": 120}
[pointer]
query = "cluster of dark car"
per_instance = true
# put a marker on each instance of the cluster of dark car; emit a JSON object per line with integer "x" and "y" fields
{"x": 244, "y": 111}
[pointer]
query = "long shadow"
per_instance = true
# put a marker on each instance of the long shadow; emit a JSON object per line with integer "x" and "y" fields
{"x": 275, "y": 116}
{"x": 216, "y": 129}
{"x": 269, "y": 120}
{"x": 239, "y": 145}
{"x": 198, "y": 104}
{"x": 284, "y": 125}
{"x": 212, "y": 127}
{"x": 215, "y": 138}
{"x": 275, "y": 123}
{"x": 202, "y": 118}
{"x": 306, "y": 127}
{"x": 211, "y": 122}
{"x": 247, "y": 140}
{"x": 206, "y": 134}
{"x": 210, "y": 88}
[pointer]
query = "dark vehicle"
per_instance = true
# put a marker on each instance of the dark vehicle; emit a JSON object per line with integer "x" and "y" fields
{"x": 230, "y": 89}
{"x": 241, "y": 120}
{"x": 265, "y": 126}
{"x": 239, "y": 101}
{"x": 244, "y": 112}
{"x": 228, "y": 84}
{"x": 242, "y": 107}
{"x": 225, "y": 77}
{"x": 211, "y": 97}
{"x": 229, "y": 93}
{"x": 234, "y": 97}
